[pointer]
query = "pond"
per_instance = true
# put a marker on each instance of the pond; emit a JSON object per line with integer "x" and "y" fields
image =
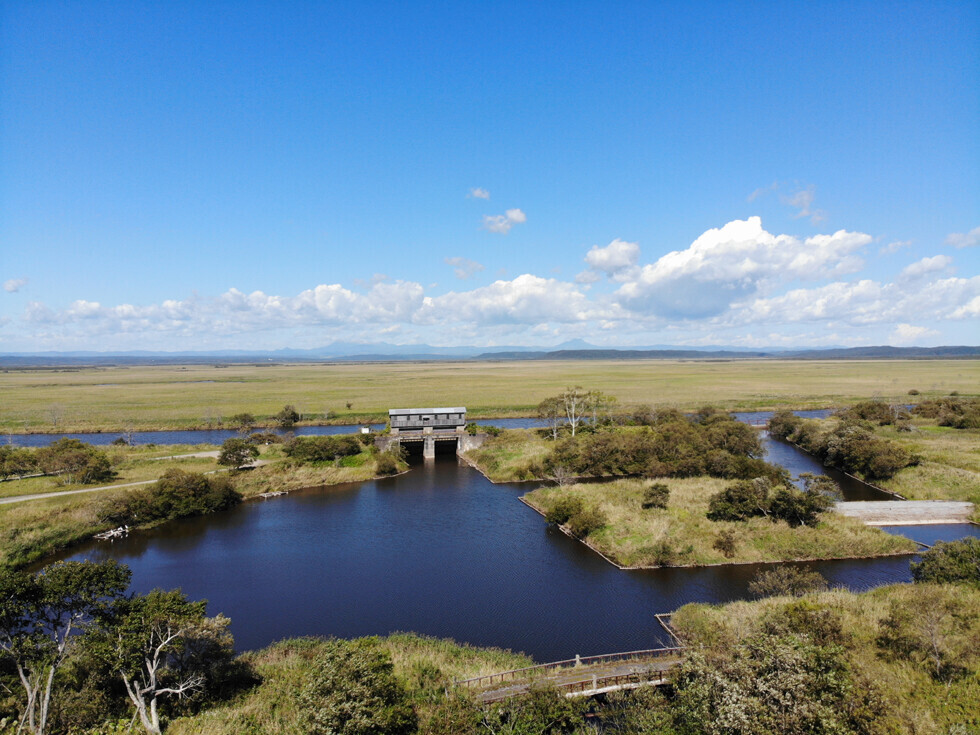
{"x": 440, "y": 551}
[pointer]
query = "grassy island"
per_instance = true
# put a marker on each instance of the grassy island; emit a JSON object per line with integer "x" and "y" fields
{"x": 682, "y": 535}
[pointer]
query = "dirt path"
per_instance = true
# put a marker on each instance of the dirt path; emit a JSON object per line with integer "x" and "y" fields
{"x": 906, "y": 512}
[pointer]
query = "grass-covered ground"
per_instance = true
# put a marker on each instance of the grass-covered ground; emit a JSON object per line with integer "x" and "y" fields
{"x": 424, "y": 666}
{"x": 940, "y": 620}
{"x": 131, "y": 464}
{"x": 509, "y": 456}
{"x": 950, "y": 466}
{"x": 33, "y": 529}
{"x": 156, "y": 397}
{"x": 681, "y": 535}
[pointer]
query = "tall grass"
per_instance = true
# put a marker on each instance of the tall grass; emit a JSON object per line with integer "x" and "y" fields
{"x": 425, "y": 666}
{"x": 917, "y": 702}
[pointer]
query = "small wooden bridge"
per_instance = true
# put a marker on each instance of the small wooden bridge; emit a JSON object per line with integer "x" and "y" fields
{"x": 581, "y": 676}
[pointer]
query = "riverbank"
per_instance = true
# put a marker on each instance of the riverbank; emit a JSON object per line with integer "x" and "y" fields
{"x": 680, "y": 535}
{"x": 32, "y": 530}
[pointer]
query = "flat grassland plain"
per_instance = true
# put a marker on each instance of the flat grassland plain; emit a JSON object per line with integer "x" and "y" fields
{"x": 198, "y": 396}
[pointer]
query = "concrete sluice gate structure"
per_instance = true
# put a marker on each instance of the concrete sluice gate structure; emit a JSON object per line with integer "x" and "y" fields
{"x": 427, "y": 426}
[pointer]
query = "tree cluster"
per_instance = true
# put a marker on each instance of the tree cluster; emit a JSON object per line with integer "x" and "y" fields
{"x": 71, "y": 460}
{"x": 17, "y": 462}
{"x": 575, "y": 408}
{"x": 952, "y": 411}
{"x": 669, "y": 445}
{"x": 752, "y": 498}
{"x": 79, "y": 652}
{"x": 177, "y": 494}
{"x": 850, "y": 446}
{"x": 322, "y": 449}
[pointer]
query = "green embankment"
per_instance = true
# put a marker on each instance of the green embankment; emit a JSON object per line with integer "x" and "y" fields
{"x": 681, "y": 535}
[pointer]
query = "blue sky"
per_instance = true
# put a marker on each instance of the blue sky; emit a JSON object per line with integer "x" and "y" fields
{"x": 261, "y": 175}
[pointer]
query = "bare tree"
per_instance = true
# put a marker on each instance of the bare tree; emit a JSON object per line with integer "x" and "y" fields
{"x": 553, "y": 411}
{"x": 561, "y": 476}
{"x": 575, "y": 402}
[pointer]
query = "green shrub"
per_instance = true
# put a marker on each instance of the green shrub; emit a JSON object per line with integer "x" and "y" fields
{"x": 563, "y": 509}
{"x": 726, "y": 543}
{"x": 950, "y": 562}
{"x": 587, "y": 521}
{"x": 656, "y": 496}
{"x": 352, "y": 690}
{"x": 177, "y": 494}
{"x": 321, "y": 449}
{"x": 741, "y": 501}
{"x": 387, "y": 464}
{"x": 786, "y": 580}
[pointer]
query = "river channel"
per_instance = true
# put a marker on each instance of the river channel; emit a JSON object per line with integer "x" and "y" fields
{"x": 443, "y": 552}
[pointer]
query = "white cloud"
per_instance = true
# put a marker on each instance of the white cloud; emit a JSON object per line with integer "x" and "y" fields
{"x": 478, "y": 193}
{"x": 464, "y": 267}
{"x": 14, "y": 285}
{"x": 727, "y": 265}
{"x": 964, "y": 239}
{"x": 616, "y": 259}
{"x": 925, "y": 267}
{"x": 894, "y": 247}
{"x": 802, "y": 201}
{"x": 865, "y": 302}
{"x": 587, "y": 277}
{"x": 907, "y": 334}
{"x": 502, "y": 223}
{"x": 526, "y": 299}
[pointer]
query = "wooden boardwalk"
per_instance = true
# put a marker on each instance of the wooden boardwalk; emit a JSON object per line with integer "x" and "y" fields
{"x": 580, "y": 676}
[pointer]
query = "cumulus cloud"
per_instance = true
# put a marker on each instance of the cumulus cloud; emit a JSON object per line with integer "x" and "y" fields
{"x": 616, "y": 260}
{"x": 727, "y": 265}
{"x": 865, "y": 302}
{"x": 478, "y": 193}
{"x": 964, "y": 239}
{"x": 13, "y": 285}
{"x": 464, "y": 267}
{"x": 908, "y": 333}
{"x": 503, "y": 222}
{"x": 526, "y": 299}
{"x": 925, "y": 267}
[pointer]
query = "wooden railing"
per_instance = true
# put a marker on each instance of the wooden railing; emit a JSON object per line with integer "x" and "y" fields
{"x": 531, "y": 671}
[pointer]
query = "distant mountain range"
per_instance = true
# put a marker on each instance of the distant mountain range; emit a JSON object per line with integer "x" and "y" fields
{"x": 385, "y": 352}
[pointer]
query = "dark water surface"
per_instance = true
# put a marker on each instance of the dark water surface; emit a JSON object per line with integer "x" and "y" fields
{"x": 439, "y": 550}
